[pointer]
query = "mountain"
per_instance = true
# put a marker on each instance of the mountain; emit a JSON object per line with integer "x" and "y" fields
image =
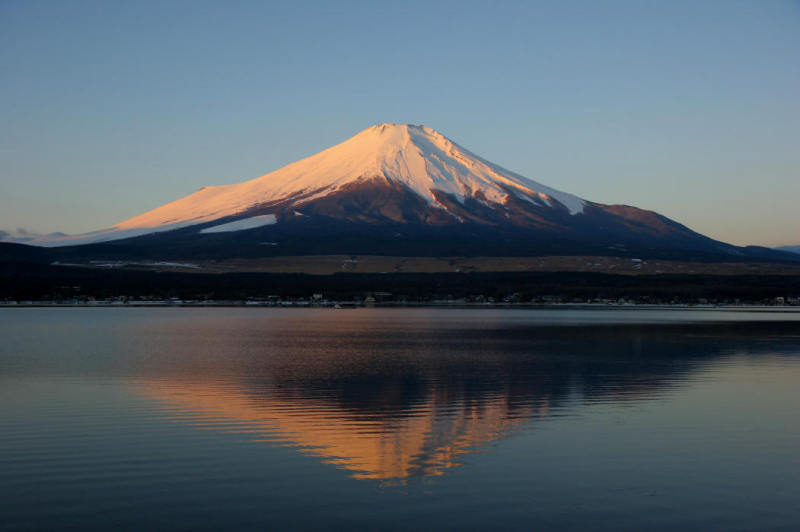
{"x": 407, "y": 173}
{"x": 790, "y": 249}
{"x": 395, "y": 189}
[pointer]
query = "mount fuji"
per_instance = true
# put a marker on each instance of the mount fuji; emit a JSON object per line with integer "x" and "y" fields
{"x": 395, "y": 189}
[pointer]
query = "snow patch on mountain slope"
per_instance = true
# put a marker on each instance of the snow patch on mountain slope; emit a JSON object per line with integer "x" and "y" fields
{"x": 243, "y": 224}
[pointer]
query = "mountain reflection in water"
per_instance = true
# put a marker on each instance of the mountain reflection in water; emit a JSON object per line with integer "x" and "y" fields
{"x": 391, "y": 401}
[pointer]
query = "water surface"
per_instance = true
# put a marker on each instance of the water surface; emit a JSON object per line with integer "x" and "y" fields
{"x": 399, "y": 418}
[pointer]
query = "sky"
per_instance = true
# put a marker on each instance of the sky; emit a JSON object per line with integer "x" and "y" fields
{"x": 689, "y": 108}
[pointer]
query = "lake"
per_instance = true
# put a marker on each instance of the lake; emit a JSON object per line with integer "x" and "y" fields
{"x": 257, "y": 418}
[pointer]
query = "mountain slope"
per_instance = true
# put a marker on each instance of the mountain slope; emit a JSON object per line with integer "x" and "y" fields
{"x": 790, "y": 249}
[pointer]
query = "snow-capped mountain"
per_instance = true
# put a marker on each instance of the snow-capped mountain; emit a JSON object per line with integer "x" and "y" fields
{"x": 395, "y": 188}
{"x": 417, "y": 158}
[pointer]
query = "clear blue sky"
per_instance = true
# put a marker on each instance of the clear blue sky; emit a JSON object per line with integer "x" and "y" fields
{"x": 690, "y": 108}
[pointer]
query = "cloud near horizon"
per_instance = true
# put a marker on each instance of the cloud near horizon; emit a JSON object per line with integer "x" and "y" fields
{"x": 21, "y": 235}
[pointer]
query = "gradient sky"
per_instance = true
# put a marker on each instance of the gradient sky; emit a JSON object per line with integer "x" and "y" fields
{"x": 690, "y": 108}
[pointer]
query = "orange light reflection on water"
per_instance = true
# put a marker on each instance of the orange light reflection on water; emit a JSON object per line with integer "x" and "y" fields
{"x": 423, "y": 440}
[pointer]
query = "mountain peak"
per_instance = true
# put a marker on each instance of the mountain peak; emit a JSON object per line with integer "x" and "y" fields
{"x": 391, "y": 125}
{"x": 417, "y": 157}
{"x": 397, "y": 134}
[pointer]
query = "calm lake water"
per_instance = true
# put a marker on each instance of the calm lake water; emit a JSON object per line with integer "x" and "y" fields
{"x": 234, "y": 418}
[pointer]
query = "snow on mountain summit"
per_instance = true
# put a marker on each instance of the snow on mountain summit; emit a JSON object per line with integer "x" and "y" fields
{"x": 417, "y": 157}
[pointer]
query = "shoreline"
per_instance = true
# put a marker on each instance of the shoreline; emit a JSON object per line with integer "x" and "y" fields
{"x": 351, "y": 305}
